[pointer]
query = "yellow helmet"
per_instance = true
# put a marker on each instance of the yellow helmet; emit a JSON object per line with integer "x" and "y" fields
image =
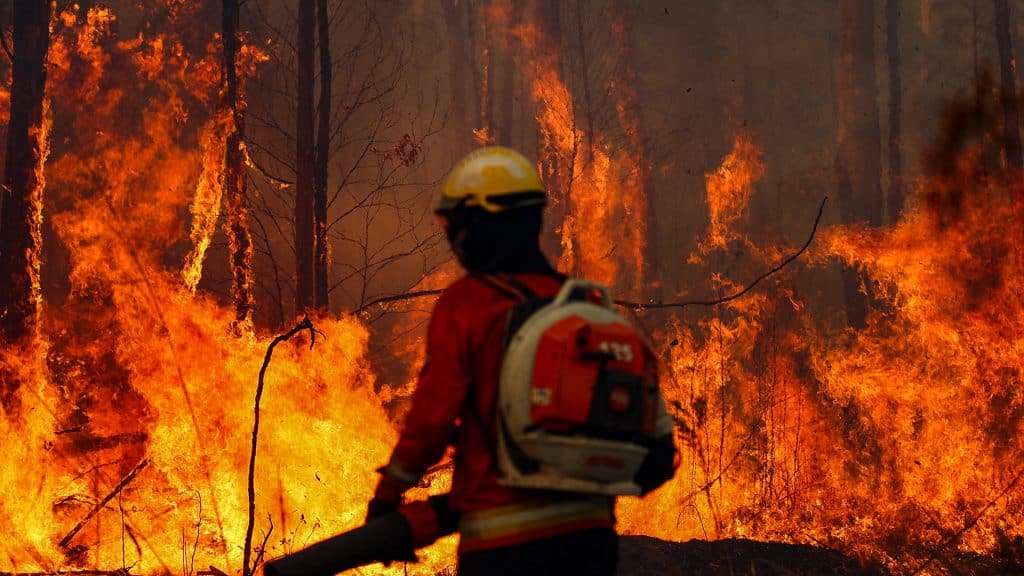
{"x": 494, "y": 178}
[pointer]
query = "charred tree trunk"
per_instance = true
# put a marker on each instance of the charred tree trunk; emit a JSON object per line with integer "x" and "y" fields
{"x": 457, "y": 71}
{"x": 323, "y": 147}
{"x": 478, "y": 72}
{"x": 487, "y": 78}
{"x": 496, "y": 66}
{"x": 21, "y": 199}
{"x": 305, "y": 233}
{"x": 1008, "y": 88}
{"x": 858, "y": 152}
{"x": 892, "y": 24}
{"x": 235, "y": 172}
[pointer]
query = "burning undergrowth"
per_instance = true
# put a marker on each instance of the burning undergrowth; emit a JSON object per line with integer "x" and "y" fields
{"x": 127, "y": 442}
{"x": 899, "y": 443}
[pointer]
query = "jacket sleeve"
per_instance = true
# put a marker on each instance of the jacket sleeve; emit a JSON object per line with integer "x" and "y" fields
{"x": 659, "y": 466}
{"x": 437, "y": 401}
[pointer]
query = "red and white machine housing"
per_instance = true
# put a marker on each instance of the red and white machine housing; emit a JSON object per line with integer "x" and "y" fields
{"x": 578, "y": 397}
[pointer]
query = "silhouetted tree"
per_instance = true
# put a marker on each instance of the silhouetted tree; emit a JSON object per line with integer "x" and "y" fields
{"x": 505, "y": 93}
{"x": 458, "y": 63}
{"x": 1008, "y": 87}
{"x": 235, "y": 171}
{"x": 356, "y": 155}
{"x": 892, "y": 24}
{"x": 22, "y": 194}
{"x": 323, "y": 149}
{"x": 305, "y": 177}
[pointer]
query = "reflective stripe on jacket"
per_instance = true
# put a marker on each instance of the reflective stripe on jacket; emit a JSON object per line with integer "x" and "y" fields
{"x": 528, "y": 520}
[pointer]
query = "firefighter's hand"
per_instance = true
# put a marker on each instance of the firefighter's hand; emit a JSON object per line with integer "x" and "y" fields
{"x": 377, "y": 508}
{"x": 386, "y": 498}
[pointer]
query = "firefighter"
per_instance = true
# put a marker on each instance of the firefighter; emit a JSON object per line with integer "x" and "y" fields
{"x": 491, "y": 212}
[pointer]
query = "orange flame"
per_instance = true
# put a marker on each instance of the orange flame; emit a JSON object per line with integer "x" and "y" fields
{"x": 858, "y": 441}
{"x": 141, "y": 368}
{"x": 604, "y": 230}
{"x": 729, "y": 188}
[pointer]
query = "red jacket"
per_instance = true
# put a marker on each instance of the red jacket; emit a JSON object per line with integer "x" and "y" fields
{"x": 457, "y": 390}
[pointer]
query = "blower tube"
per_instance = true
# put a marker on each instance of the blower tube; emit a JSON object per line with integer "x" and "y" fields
{"x": 387, "y": 538}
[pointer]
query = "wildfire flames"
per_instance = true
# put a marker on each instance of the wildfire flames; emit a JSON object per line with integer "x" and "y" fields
{"x": 126, "y": 445}
{"x": 597, "y": 184}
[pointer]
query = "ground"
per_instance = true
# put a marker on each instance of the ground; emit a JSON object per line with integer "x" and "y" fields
{"x": 645, "y": 556}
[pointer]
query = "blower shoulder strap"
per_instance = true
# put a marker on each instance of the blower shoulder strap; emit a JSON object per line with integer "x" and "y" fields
{"x": 509, "y": 286}
{"x": 528, "y": 301}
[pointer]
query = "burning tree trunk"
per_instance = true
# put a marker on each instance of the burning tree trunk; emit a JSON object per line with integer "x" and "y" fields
{"x": 323, "y": 146}
{"x": 234, "y": 172}
{"x": 630, "y": 118}
{"x": 857, "y": 165}
{"x": 22, "y": 196}
{"x": 892, "y": 23}
{"x": 556, "y": 165}
{"x": 305, "y": 178}
{"x": 1008, "y": 91}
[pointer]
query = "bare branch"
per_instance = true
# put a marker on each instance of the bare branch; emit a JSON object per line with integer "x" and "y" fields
{"x": 6, "y": 46}
{"x": 248, "y": 568}
{"x": 636, "y": 305}
{"x": 735, "y": 295}
{"x": 66, "y": 540}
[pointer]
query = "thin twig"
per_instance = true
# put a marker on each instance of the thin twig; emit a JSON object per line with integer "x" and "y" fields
{"x": 263, "y": 547}
{"x": 195, "y": 544}
{"x": 748, "y": 288}
{"x": 266, "y": 173}
{"x": 638, "y": 305}
{"x": 306, "y": 324}
{"x": 99, "y": 506}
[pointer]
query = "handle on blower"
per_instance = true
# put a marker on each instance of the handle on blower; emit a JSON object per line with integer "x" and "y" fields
{"x": 572, "y": 285}
{"x": 387, "y": 538}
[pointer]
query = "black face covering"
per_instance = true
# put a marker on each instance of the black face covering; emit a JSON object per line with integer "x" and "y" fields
{"x": 506, "y": 242}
